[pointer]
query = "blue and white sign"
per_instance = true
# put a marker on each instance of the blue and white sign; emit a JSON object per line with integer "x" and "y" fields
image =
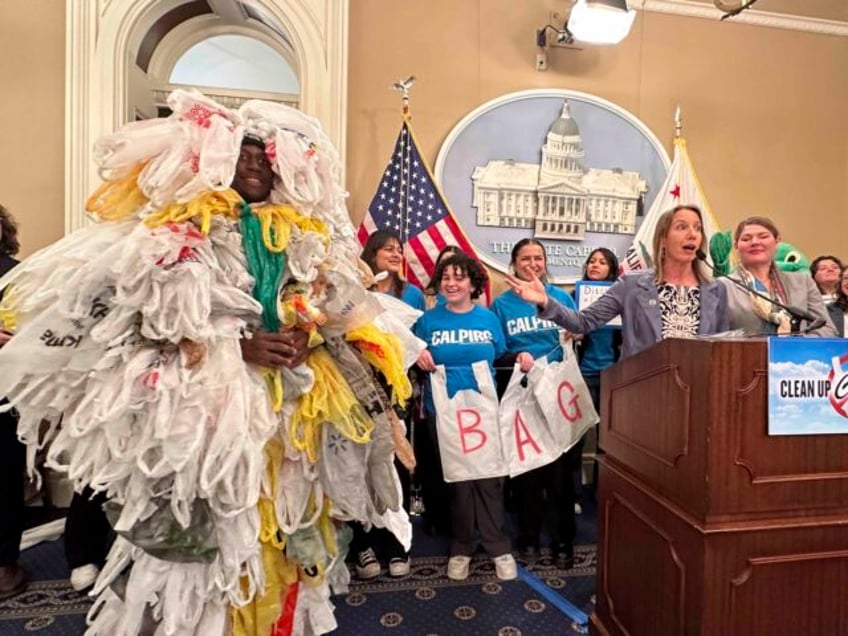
{"x": 808, "y": 386}
{"x": 588, "y": 291}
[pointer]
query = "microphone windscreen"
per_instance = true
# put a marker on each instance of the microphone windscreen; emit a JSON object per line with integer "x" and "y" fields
{"x": 700, "y": 254}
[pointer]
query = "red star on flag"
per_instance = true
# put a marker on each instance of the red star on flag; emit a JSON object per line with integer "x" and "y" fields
{"x": 675, "y": 191}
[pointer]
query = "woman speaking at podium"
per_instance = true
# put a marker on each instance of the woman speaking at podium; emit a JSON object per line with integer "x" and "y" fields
{"x": 755, "y": 240}
{"x": 677, "y": 299}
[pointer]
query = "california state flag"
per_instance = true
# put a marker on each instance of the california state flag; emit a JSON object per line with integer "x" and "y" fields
{"x": 681, "y": 187}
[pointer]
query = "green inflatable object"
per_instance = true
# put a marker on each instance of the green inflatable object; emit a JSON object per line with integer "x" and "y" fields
{"x": 787, "y": 258}
{"x": 790, "y": 259}
{"x": 721, "y": 245}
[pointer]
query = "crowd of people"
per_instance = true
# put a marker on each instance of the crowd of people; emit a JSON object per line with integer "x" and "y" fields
{"x": 533, "y": 319}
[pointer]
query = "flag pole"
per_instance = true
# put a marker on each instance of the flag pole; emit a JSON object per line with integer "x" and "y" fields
{"x": 403, "y": 196}
{"x": 678, "y": 123}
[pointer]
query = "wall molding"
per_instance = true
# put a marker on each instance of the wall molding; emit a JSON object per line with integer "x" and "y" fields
{"x": 753, "y": 17}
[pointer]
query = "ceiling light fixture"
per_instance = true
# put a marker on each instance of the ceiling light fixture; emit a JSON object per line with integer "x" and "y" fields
{"x": 563, "y": 35}
{"x": 600, "y": 21}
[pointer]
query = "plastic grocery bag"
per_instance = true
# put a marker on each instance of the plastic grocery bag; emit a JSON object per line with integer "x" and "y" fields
{"x": 564, "y": 399}
{"x": 467, "y": 427}
{"x": 526, "y": 437}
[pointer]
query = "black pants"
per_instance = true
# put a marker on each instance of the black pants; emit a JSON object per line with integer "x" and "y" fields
{"x": 478, "y": 505}
{"x": 381, "y": 540}
{"x": 12, "y": 465}
{"x": 428, "y": 471}
{"x": 88, "y": 535}
{"x": 473, "y": 505}
{"x": 548, "y": 490}
{"x": 593, "y": 383}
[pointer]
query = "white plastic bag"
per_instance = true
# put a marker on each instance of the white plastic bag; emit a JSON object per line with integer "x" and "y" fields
{"x": 467, "y": 427}
{"x": 526, "y": 437}
{"x": 564, "y": 399}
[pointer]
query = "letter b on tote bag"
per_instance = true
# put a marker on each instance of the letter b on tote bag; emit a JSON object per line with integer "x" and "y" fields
{"x": 467, "y": 427}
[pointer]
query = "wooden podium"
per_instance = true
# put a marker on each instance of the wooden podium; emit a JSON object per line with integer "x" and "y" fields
{"x": 707, "y": 525}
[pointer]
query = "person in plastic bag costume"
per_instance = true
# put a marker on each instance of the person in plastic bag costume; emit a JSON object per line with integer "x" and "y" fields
{"x": 228, "y": 447}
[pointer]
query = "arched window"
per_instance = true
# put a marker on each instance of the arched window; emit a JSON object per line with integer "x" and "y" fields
{"x": 235, "y": 62}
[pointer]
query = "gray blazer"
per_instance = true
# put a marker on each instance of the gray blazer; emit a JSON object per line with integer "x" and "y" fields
{"x": 801, "y": 292}
{"x": 837, "y": 317}
{"x": 635, "y": 298}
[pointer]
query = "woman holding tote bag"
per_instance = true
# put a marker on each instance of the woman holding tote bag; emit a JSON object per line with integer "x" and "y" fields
{"x": 548, "y": 488}
{"x": 458, "y": 334}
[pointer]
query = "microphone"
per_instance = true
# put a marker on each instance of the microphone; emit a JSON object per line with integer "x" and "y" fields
{"x": 796, "y": 313}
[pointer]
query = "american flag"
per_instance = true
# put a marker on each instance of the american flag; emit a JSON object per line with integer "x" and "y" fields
{"x": 409, "y": 203}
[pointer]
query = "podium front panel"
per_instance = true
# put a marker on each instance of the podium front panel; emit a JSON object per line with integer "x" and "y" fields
{"x": 689, "y": 419}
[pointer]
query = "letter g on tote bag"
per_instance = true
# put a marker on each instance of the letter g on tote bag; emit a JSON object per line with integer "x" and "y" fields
{"x": 467, "y": 427}
{"x": 564, "y": 399}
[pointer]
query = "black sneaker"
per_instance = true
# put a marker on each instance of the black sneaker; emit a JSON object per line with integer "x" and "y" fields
{"x": 528, "y": 552}
{"x": 367, "y": 565}
{"x": 564, "y": 559}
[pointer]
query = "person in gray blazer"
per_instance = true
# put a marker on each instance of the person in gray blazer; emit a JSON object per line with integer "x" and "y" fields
{"x": 839, "y": 308}
{"x": 677, "y": 299}
{"x": 755, "y": 241}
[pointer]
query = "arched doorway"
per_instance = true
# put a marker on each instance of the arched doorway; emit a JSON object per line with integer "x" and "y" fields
{"x": 120, "y": 56}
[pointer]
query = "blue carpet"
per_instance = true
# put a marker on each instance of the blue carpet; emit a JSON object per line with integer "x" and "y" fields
{"x": 426, "y": 602}
{"x": 49, "y": 605}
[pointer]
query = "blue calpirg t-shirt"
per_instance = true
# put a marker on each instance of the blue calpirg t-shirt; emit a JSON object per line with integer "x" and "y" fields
{"x": 458, "y": 340}
{"x": 598, "y": 350}
{"x": 413, "y": 296}
{"x": 524, "y": 330}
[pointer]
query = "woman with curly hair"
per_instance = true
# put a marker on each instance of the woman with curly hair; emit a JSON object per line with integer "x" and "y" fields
{"x": 432, "y": 297}
{"x": 459, "y": 333}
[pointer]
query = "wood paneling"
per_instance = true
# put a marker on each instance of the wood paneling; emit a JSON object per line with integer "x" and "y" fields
{"x": 755, "y": 544}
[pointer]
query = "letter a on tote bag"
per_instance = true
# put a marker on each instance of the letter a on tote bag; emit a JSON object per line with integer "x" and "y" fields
{"x": 467, "y": 427}
{"x": 564, "y": 399}
{"x": 525, "y": 435}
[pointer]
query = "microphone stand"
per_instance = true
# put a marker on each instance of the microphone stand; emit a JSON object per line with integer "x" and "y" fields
{"x": 796, "y": 314}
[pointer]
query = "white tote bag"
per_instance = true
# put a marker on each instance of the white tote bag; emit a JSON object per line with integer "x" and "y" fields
{"x": 525, "y": 435}
{"x": 467, "y": 427}
{"x": 564, "y": 399}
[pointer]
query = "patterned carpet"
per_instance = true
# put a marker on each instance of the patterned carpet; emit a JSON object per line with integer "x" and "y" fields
{"x": 426, "y": 602}
{"x": 50, "y": 605}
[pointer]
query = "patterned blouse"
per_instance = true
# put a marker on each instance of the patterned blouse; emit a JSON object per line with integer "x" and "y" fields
{"x": 680, "y": 308}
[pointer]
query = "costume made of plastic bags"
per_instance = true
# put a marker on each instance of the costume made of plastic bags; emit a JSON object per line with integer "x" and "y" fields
{"x": 224, "y": 493}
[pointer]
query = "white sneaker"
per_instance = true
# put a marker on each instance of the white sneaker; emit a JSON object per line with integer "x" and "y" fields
{"x": 578, "y": 509}
{"x": 505, "y": 567}
{"x": 458, "y": 567}
{"x": 399, "y": 566}
{"x": 84, "y": 577}
{"x": 367, "y": 565}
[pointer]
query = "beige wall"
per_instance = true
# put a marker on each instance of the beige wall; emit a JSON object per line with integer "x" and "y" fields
{"x": 32, "y": 111}
{"x": 764, "y": 109}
